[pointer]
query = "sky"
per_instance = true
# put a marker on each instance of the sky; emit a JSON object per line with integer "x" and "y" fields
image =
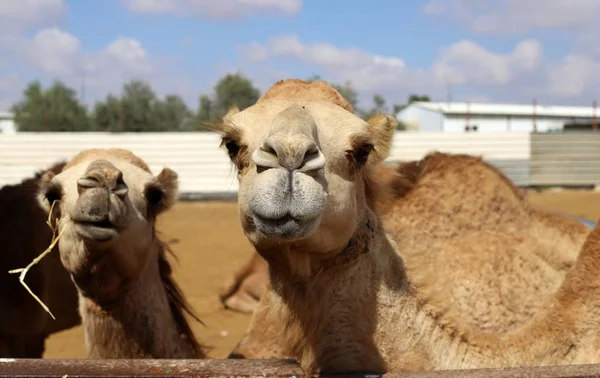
{"x": 510, "y": 51}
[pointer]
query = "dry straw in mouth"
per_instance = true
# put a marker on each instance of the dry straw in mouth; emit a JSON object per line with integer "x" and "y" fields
{"x": 24, "y": 271}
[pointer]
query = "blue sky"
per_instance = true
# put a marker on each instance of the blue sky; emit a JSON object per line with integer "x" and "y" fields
{"x": 475, "y": 50}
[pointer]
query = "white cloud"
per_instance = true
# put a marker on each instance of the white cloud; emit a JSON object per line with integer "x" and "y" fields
{"x": 10, "y": 87}
{"x": 18, "y": 15}
{"x": 216, "y": 9}
{"x": 254, "y": 52}
{"x": 56, "y": 54}
{"x": 471, "y": 69}
{"x": 468, "y": 63}
{"x": 518, "y": 16}
{"x": 574, "y": 76}
{"x": 366, "y": 71}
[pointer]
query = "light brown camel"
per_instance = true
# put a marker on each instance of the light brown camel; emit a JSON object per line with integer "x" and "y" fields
{"x": 24, "y": 234}
{"x": 340, "y": 297}
{"x": 129, "y": 303}
{"x": 445, "y": 196}
{"x": 243, "y": 290}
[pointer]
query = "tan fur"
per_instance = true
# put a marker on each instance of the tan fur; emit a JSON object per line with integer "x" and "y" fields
{"x": 115, "y": 152}
{"x": 383, "y": 303}
{"x": 129, "y": 303}
{"x": 294, "y": 89}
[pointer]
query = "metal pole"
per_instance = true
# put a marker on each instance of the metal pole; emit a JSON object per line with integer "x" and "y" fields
{"x": 534, "y": 116}
{"x": 468, "y": 116}
{"x": 594, "y": 116}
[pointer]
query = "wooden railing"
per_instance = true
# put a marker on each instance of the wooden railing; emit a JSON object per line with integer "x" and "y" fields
{"x": 250, "y": 368}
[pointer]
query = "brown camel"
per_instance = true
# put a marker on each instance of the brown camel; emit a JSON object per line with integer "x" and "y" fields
{"x": 442, "y": 199}
{"x": 341, "y": 298}
{"x": 24, "y": 234}
{"x": 128, "y": 301}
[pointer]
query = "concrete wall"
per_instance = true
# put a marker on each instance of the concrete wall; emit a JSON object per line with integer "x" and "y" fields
{"x": 205, "y": 169}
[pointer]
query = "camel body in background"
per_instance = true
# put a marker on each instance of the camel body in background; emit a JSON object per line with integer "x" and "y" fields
{"x": 24, "y": 234}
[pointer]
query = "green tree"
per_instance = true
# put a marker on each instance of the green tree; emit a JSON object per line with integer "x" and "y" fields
{"x": 414, "y": 98}
{"x": 138, "y": 102}
{"x": 233, "y": 89}
{"x": 107, "y": 115}
{"x": 205, "y": 108}
{"x": 138, "y": 110}
{"x": 172, "y": 114}
{"x": 379, "y": 107}
{"x": 55, "y": 109}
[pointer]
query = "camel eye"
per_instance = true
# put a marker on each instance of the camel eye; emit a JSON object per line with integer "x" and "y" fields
{"x": 361, "y": 154}
{"x": 232, "y": 148}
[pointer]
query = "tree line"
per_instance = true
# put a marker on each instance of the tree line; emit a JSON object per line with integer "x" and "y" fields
{"x": 139, "y": 109}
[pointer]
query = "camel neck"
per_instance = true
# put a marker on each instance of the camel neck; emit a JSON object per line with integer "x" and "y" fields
{"x": 139, "y": 324}
{"x": 334, "y": 310}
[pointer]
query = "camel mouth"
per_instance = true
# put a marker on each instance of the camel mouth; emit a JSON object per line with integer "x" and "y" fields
{"x": 102, "y": 231}
{"x": 287, "y": 227}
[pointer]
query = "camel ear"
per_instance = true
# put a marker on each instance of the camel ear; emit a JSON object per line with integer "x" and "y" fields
{"x": 383, "y": 128}
{"x": 163, "y": 193}
{"x": 48, "y": 191}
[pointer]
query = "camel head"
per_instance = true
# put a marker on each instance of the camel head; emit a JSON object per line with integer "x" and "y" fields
{"x": 301, "y": 155}
{"x": 108, "y": 203}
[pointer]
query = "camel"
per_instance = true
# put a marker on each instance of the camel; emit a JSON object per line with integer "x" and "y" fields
{"x": 24, "y": 325}
{"x": 243, "y": 290}
{"x": 130, "y": 306}
{"x": 341, "y": 297}
{"x": 453, "y": 177}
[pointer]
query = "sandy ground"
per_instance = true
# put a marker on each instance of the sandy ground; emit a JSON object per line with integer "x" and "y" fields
{"x": 210, "y": 245}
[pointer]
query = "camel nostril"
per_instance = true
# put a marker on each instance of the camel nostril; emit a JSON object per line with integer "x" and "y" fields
{"x": 267, "y": 155}
{"x": 120, "y": 188}
{"x": 86, "y": 183}
{"x": 313, "y": 159}
{"x": 269, "y": 148}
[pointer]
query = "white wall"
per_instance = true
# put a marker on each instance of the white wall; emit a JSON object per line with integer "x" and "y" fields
{"x": 205, "y": 169}
{"x": 502, "y": 124}
{"x": 7, "y": 126}
{"x": 423, "y": 119}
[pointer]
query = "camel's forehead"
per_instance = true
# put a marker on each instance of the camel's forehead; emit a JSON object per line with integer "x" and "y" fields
{"x": 134, "y": 169}
{"x": 114, "y": 155}
{"x": 329, "y": 119}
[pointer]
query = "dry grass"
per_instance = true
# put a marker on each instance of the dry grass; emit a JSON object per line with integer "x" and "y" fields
{"x": 23, "y": 271}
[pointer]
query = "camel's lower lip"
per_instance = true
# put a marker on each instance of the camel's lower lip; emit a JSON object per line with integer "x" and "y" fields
{"x": 100, "y": 231}
{"x": 287, "y": 227}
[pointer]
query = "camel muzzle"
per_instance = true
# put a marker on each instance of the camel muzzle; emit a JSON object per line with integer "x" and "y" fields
{"x": 101, "y": 211}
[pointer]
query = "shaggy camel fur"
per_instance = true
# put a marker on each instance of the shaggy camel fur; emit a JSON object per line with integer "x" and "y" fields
{"x": 129, "y": 304}
{"x": 24, "y": 234}
{"x": 340, "y": 295}
{"x": 432, "y": 204}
